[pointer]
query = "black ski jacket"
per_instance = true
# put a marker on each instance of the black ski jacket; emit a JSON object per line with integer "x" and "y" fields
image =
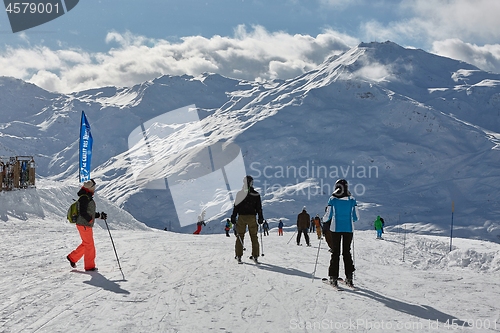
{"x": 247, "y": 204}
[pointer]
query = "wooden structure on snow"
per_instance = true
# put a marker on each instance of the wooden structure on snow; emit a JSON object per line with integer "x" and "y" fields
{"x": 17, "y": 172}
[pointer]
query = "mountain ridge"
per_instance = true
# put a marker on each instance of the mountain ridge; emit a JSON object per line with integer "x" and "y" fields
{"x": 431, "y": 144}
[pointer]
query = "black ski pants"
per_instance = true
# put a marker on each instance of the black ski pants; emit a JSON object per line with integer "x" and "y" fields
{"x": 306, "y": 236}
{"x": 346, "y": 239}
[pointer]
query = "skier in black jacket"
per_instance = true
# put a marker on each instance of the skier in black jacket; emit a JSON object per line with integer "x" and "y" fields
{"x": 246, "y": 205}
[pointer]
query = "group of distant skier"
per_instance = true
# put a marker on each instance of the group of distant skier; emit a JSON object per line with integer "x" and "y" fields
{"x": 336, "y": 226}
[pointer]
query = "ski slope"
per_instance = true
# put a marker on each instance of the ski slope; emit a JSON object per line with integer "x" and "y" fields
{"x": 187, "y": 283}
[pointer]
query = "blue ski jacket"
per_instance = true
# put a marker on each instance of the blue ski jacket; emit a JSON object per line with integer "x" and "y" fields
{"x": 341, "y": 213}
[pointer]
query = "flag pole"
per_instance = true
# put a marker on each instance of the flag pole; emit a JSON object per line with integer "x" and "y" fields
{"x": 451, "y": 231}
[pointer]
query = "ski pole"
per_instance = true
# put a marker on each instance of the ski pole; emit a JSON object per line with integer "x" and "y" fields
{"x": 292, "y": 237}
{"x": 404, "y": 244}
{"x": 353, "y": 255}
{"x": 316, "y": 263}
{"x": 261, "y": 241}
{"x": 114, "y": 248}
{"x": 241, "y": 242}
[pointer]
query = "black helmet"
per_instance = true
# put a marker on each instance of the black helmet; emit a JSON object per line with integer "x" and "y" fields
{"x": 341, "y": 189}
{"x": 341, "y": 182}
{"x": 248, "y": 181}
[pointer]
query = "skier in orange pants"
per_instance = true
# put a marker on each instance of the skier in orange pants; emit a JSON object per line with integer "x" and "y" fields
{"x": 84, "y": 224}
{"x": 86, "y": 249}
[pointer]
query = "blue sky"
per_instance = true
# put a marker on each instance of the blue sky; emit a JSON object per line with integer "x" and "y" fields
{"x": 125, "y": 42}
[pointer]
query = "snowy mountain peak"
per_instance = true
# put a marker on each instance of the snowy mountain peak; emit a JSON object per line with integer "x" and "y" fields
{"x": 387, "y": 62}
{"x": 411, "y": 132}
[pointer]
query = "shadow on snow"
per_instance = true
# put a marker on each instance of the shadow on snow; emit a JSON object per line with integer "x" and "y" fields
{"x": 98, "y": 280}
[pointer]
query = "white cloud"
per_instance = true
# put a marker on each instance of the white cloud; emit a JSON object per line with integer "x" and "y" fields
{"x": 133, "y": 59}
{"x": 374, "y": 71}
{"x": 452, "y": 28}
{"x": 465, "y": 19}
{"x": 485, "y": 57}
{"x": 428, "y": 21}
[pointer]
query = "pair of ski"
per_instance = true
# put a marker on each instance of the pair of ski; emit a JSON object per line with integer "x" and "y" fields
{"x": 251, "y": 257}
{"x": 339, "y": 281}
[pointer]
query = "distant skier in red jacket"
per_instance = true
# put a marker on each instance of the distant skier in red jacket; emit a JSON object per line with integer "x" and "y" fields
{"x": 200, "y": 223}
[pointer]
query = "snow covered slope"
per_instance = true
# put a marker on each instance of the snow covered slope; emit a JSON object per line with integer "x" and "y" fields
{"x": 412, "y": 132}
{"x": 176, "y": 282}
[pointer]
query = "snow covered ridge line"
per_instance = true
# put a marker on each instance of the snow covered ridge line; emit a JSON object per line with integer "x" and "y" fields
{"x": 321, "y": 178}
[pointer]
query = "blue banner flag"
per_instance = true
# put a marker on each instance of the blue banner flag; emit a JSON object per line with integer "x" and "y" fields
{"x": 85, "y": 149}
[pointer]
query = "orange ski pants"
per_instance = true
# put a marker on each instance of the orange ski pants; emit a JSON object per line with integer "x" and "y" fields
{"x": 86, "y": 249}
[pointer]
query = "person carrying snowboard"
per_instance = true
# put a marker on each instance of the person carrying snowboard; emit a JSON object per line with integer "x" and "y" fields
{"x": 340, "y": 214}
{"x": 246, "y": 206}
{"x": 84, "y": 224}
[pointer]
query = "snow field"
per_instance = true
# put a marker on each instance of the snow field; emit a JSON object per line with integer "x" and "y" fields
{"x": 188, "y": 283}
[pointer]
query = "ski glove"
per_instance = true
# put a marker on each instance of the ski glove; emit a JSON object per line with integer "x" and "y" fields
{"x": 104, "y": 215}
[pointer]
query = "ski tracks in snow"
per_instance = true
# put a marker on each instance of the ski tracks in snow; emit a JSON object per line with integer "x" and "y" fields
{"x": 188, "y": 283}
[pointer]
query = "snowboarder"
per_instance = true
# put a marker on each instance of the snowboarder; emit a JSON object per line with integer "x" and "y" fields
{"x": 84, "y": 224}
{"x": 280, "y": 228}
{"x": 303, "y": 221}
{"x": 378, "y": 226}
{"x": 339, "y": 216}
{"x": 200, "y": 223}
{"x": 265, "y": 226}
{"x": 317, "y": 223}
{"x": 228, "y": 227}
{"x": 246, "y": 205}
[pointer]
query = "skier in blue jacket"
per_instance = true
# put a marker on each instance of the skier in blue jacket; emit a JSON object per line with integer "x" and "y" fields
{"x": 340, "y": 214}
